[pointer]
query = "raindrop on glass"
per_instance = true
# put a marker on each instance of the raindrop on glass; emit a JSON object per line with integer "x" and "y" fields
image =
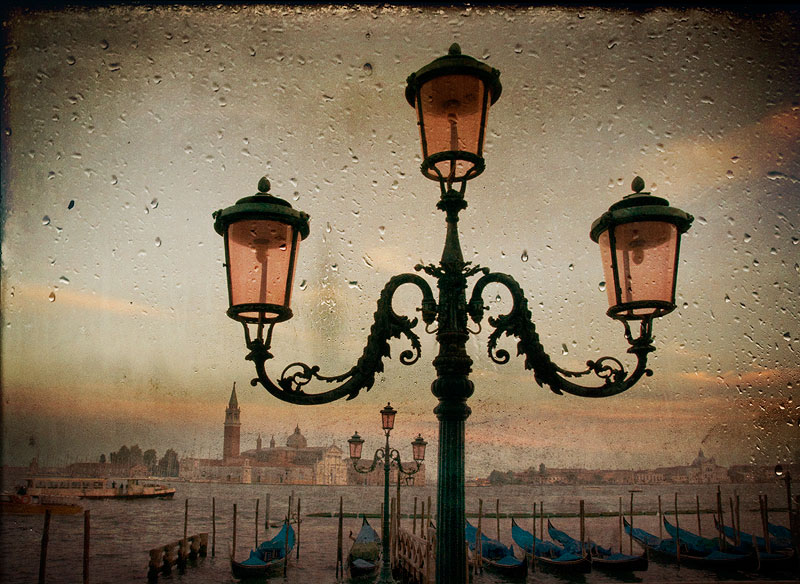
{"x": 63, "y": 280}
{"x": 158, "y": 242}
{"x": 602, "y": 286}
{"x": 572, "y": 267}
{"x": 45, "y": 220}
{"x": 71, "y": 204}
{"x": 52, "y": 296}
{"x": 787, "y": 337}
{"x": 367, "y": 69}
{"x": 524, "y": 257}
{"x": 154, "y": 204}
{"x": 303, "y": 285}
{"x": 564, "y": 350}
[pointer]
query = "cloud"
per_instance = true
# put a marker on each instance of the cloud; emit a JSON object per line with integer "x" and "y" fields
{"x": 36, "y": 295}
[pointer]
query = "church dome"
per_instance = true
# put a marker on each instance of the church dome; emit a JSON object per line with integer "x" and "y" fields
{"x": 296, "y": 440}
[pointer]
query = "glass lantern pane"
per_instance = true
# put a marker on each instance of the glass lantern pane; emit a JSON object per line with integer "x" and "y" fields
{"x": 260, "y": 257}
{"x": 450, "y": 108}
{"x": 645, "y": 253}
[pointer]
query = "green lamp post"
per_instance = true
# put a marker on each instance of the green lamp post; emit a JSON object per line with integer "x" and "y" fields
{"x": 639, "y": 239}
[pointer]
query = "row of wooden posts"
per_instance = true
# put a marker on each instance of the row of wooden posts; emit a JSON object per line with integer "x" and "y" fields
{"x": 163, "y": 558}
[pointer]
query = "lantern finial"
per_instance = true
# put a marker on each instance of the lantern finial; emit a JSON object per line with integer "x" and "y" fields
{"x": 638, "y": 184}
{"x": 264, "y": 185}
{"x": 455, "y": 49}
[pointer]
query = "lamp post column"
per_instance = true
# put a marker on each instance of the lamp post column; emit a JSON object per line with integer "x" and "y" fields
{"x": 386, "y": 567}
{"x": 452, "y": 387}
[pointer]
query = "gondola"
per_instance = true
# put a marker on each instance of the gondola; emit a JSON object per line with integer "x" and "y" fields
{"x": 496, "y": 556}
{"x": 365, "y": 554}
{"x": 548, "y": 555}
{"x": 600, "y": 557}
{"x": 268, "y": 558}
{"x": 780, "y": 557}
{"x": 666, "y": 550}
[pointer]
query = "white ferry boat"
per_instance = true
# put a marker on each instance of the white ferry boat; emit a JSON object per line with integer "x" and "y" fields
{"x": 96, "y": 488}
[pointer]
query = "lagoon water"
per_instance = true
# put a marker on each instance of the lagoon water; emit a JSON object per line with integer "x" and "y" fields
{"x": 122, "y": 532}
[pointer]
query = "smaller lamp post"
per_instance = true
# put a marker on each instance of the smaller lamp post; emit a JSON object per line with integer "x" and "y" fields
{"x": 388, "y": 455}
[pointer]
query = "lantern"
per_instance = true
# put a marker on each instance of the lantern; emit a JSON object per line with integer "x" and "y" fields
{"x": 387, "y": 417}
{"x": 639, "y": 241}
{"x": 452, "y": 95}
{"x": 355, "y": 442}
{"x": 261, "y": 234}
{"x": 418, "y": 448}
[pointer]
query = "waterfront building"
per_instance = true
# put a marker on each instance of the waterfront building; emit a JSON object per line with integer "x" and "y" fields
{"x": 296, "y": 463}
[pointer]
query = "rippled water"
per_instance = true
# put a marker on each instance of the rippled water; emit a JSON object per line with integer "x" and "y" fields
{"x": 122, "y": 532}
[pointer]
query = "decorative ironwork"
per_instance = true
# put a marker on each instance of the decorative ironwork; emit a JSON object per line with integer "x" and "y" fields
{"x": 518, "y": 323}
{"x": 387, "y": 325}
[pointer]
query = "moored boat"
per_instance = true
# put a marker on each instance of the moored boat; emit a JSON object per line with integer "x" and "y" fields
{"x": 667, "y": 550}
{"x": 95, "y": 488}
{"x": 549, "y": 556}
{"x": 600, "y": 557}
{"x": 496, "y": 556}
{"x": 780, "y": 556}
{"x": 365, "y": 554}
{"x": 17, "y": 504}
{"x": 268, "y": 558}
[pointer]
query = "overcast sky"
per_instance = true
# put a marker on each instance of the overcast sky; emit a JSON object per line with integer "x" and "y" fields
{"x": 124, "y": 128}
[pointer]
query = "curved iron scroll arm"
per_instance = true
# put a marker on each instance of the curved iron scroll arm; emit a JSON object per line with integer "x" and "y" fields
{"x": 395, "y": 455}
{"x": 387, "y": 325}
{"x": 379, "y": 456}
{"x": 518, "y": 323}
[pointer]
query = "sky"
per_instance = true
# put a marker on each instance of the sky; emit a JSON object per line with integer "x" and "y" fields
{"x": 125, "y": 127}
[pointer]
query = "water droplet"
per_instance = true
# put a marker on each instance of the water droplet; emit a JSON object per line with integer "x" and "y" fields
{"x": 52, "y": 296}
{"x": 787, "y": 337}
{"x": 63, "y": 280}
{"x": 303, "y": 285}
{"x": 45, "y": 220}
{"x": 572, "y": 267}
{"x": 612, "y": 43}
{"x": 71, "y": 204}
{"x": 367, "y": 69}
{"x": 154, "y": 204}
{"x": 498, "y": 298}
{"x": 564, "y": 350}
{"x": 524, "y": 256}
{"x": 158, "y": 242}
{"x": 602, "y": 286}
{"x": 747, "y": 238}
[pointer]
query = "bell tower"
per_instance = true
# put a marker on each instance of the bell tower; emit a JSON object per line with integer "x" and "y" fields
{"x": 230, "y": 444}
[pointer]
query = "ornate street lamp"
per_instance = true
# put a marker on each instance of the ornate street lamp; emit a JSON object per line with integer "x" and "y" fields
{"x": 387, "y": 455}
{"x": 639, "y": 239}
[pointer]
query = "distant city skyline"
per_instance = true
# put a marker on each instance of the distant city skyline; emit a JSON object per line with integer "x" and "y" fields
{"x": 127, "y": 126}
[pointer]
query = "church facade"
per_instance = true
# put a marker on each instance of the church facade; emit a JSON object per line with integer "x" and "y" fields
{"x": 296, "y": 463}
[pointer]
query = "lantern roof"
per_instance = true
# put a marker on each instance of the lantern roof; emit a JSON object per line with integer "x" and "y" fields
{"x": 640, "y": 206}
{"x": 262, "y": 205}
{"x": 454, "y": 63}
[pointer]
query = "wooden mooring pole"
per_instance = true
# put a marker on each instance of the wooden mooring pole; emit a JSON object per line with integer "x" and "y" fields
{"x": 583, "y": 529}
{"x": 479, "y": 539}
{"x": 43, "y": 550}
{"x": 213, "y": 526}
{"x": 255, "y": 545}
{"x": 86, "y": 549}
{"x": 414, "y": 521}
{"x": 233, "y": 550}
{"x": 266, "y": 517}
{"x": 699, "y": 524}
{"x": 298, "y": 529}
{"x": 677, "y": 532}
{"x": 497, "y": 515}
{"x": 339, "y": 550}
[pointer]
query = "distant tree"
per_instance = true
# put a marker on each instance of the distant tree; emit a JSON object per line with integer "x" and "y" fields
{"x": 150, "y": 459}
{"x": 102, "y": 459}
{"x": 135, "y": 455}
{"x": 542, "y": 469}
{"x": 497, "y": 477}
{"x": 121, "y": 456}
{"x": 168, "y": 466}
